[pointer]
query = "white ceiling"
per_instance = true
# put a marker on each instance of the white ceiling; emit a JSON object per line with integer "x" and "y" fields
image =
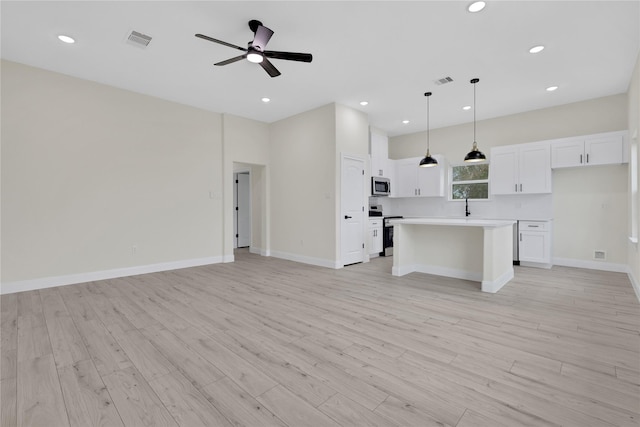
{"x": 386, "y": 52}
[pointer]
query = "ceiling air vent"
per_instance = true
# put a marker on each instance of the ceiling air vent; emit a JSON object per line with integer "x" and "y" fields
{"x": 138, "y": 39}
{"x": 443, "y": 80}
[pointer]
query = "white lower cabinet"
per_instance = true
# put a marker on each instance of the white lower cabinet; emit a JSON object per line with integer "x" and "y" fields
{"x": 375, "y": 236}
{"x": 534, "y": 243}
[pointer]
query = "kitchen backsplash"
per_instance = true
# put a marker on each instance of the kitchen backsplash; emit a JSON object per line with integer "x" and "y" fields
{"x": 529, "y": 206}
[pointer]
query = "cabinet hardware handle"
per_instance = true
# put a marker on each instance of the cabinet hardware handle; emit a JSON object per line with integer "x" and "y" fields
{"x": 580, "y": 158}
{"x": 533, "y": 226}
{"x": 347, "y": 217}
{"x": 521, "y": 188}
{"x": 516, "y": 187}
{"x": 419, "y": 192}
{"x": 521, "y": 237}
{"x": 587, "y": 157}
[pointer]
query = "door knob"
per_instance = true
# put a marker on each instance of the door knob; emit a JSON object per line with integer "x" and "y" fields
{"x": 347, "y": 217}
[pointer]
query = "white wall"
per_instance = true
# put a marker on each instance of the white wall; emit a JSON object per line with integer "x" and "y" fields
{"x": 595, "y": 228}
{"x": 303, "y": 198}
{"x": 89, "y": 172}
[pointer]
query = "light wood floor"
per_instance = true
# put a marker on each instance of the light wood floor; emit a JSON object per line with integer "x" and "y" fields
{"x": 267, "y": 342}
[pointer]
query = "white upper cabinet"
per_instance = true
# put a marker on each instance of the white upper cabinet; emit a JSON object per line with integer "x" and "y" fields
{"x": 600, "y": 149}
{"x": 521, "y": 169}
{"x": 379, "y": 149}
{"x": 414, "y": 181}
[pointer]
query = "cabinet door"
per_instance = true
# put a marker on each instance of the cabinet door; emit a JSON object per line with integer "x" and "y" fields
{"x": 603, "y": 150}
{"x": 533, "y": 246}
{"x": 534, "y": 168}
{"x": 431, "y": 180}
{"x": 504, "y": 170}
{"x": 566, "y": 154}
{"x": 406, "y": 177}
{"x": 377, "y": 240}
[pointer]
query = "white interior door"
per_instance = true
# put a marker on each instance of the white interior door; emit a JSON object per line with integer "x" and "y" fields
{"x": 243, "y": 210}
{"x": 352, "y": 210}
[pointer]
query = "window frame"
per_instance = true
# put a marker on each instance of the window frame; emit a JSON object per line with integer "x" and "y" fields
{"x": 475, "y": 181}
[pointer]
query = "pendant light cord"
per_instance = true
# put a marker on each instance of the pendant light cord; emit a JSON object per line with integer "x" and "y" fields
{"x": 428, "y": 94}
{"x": 474, "y": 81}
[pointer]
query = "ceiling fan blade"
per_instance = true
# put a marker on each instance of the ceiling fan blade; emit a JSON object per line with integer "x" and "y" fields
{"x": 262, "y": 37}
{"x": 269, "y": 68}
{"x": 290, "y": 56}
{"x": 211, "y": 39}
{"x": 231, "y": 60}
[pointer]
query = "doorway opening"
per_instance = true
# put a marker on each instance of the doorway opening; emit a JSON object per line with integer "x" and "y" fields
{"x": 242, "y": 210}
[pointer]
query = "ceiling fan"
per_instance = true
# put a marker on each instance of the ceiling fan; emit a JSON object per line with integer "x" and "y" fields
{"x": 255, "y": 51}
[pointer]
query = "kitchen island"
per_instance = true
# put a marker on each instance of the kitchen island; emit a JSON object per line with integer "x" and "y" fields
{"x": 472, "y": 249}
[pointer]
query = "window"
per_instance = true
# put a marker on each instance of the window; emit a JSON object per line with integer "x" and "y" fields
{"x": 470, "y": 181}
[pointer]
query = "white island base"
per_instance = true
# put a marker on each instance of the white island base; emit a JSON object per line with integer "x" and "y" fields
{"x": 472, "y": 249}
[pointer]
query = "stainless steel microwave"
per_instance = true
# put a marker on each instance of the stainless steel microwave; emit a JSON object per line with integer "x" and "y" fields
{"x": 380, "y": 186}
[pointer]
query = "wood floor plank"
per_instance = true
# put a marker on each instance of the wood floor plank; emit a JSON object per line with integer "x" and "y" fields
{"x": 293, "y": 410}
{"x": 147, "y": 359}
{"x": 91, "y": 403}
{"x": 185, "y": 403}
{"x": 238, "y": 406}
{"x": 346, "y": 412}
{"x": 106, "y": 353}
{"x": 265, "y": 341}
{"x": 8, "y": 336}
{"x": 66, "y": 342}
{"x": 39, "y": 396}
{"x": 8, "y": 404}
{"x": 136, "y": 401}
{"x": 193, "y": 366}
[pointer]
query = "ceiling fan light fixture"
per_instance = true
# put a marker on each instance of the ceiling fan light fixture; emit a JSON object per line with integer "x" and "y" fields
{"x": 476, "y": 6}
{"x": 255, "y": 57}
{"x": 66, "y": 39}
{"x": 428, "y": 161}
{"x": 474, "y": 155}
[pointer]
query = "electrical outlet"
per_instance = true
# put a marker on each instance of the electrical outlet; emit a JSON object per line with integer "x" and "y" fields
{"x": 600, "y": 255}
{"x": 134, "y": 250}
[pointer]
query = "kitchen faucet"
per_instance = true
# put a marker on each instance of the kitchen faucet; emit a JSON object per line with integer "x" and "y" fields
{"x": 466, "y": 207}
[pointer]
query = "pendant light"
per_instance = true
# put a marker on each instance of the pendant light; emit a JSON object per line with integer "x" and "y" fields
{"x": 428, "y": 161}
{"x": 474, "y": 155}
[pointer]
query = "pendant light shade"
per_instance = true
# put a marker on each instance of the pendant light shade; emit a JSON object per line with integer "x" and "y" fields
{"x": 428, "y": 161}
{"x": 474, "y": 155}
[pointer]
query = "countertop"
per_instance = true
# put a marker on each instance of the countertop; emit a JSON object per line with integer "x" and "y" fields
{"x": 463, "y": 222}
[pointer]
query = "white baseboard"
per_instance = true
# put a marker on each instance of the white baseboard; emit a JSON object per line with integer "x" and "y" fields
{"x": 634, "y": 282}
{"x": 307, "y": 260}
{"x": 71, "y": 279}
{"x": 494, "y": 286}
{"x": 259, "y": 251}
{"x": 591, "y": 265}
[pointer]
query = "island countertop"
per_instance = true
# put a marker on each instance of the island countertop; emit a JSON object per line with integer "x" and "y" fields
{"x": 463, "y": 222}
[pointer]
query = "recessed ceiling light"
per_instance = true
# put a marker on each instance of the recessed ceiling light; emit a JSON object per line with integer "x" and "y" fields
{"x": 466, "y": 107}
{"x": 66, "y": 39}
{"x": 536, "y": 49}
{"x": 404, "y": 122}
{"x": 265, "y": 100}
{"x": 363, "y": 103}
{"x": 552, "y": 88}
{"x": 476, "y": 6}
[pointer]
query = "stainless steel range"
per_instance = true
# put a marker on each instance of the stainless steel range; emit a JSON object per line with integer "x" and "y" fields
{"x": 387, "y": 236}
